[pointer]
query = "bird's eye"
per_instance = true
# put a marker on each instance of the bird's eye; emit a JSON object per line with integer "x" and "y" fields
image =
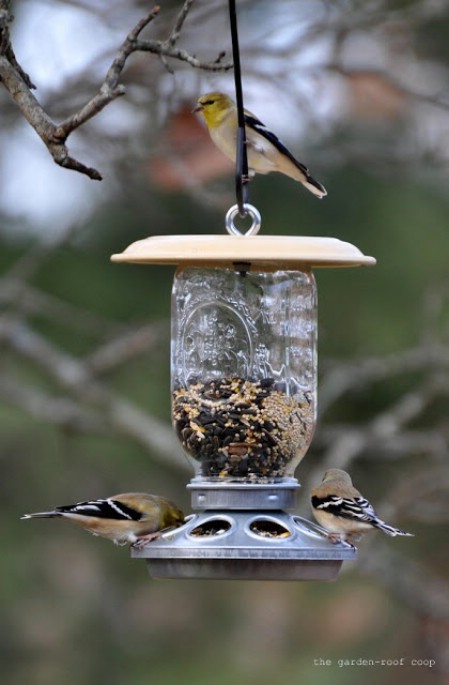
{"x": 208, "y": 102}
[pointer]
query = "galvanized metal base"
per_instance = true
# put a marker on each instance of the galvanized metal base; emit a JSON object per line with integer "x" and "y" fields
{"x": 242, "y": 545}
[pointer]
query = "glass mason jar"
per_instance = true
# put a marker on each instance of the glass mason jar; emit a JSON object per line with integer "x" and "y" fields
{"x": 243, "y": 371}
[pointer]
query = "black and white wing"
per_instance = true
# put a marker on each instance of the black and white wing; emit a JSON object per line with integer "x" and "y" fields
{"x": 102, "y": 508}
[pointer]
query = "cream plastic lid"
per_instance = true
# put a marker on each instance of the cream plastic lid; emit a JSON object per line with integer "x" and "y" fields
{"x": 268, "y": 252}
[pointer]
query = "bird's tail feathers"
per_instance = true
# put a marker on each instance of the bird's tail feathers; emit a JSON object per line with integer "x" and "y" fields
{"x": 42, "y": 515}
{"x": 301, "y": 173}
{"x": 390, "y": 530}
{"x": 315, "y": 187}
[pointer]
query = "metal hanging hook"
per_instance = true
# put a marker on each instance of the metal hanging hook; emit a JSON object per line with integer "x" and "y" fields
{"x": 248, "y": 210}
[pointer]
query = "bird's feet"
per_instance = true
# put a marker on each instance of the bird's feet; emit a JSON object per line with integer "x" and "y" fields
{"x": 145, "y": 539}
{"x": 334, "y": 538}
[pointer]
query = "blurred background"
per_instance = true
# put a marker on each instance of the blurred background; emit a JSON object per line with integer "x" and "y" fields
{"x": 359, "y": 92}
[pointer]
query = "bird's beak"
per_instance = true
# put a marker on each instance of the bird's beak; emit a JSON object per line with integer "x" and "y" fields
{"x": 198, "y": 108}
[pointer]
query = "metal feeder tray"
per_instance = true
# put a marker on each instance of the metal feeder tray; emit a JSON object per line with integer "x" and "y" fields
{"x": 243, "y": 545}
{"x": 244, "y": 533}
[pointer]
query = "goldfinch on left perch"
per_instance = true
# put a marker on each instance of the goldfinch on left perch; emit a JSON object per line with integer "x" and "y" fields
{"x": 130, "y": 518}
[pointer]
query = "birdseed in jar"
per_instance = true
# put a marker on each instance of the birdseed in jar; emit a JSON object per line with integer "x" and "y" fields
{"x": 240, "y": 428}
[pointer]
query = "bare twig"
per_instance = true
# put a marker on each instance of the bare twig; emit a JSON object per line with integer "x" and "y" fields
{"x": 54, "y": 136}
{"x": 126, "y": 346}
{"x": 110, "y": 89}
{"x": 163, "y": 48}
{"x": 179, "y": 23}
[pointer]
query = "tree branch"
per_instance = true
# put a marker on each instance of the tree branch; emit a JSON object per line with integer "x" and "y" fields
{"x": 54, "y": 136}
{"x": 88, "y": 397}
{"x": 56, "y": 410}
{"x": 5, "y": 42}
{"x": 165, "y": 49}
{"x": 424, "y": 593}
{"x": 110, "y": 89}
{"x": 39, "y": 119}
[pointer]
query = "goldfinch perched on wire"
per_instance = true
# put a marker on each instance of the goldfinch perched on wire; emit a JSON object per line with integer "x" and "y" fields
{"x": 341, "y": 510}
{"x": 132, "y": 517}
{"x": 265, "y": 151}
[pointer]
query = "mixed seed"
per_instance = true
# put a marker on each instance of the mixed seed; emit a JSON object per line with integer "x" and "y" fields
{"x": 241, "y": 428}
{"x": 269, "y": 529}
{"x": 211, "y": 528}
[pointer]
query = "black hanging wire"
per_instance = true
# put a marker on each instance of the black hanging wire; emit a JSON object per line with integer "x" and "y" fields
{"x": 241, "y": 161}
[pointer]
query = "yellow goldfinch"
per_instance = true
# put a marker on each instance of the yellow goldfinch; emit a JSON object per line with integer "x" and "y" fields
{"x": 265, "y": 151}
{"x": 340, "y": 509}
{"x": 132, "y": 517}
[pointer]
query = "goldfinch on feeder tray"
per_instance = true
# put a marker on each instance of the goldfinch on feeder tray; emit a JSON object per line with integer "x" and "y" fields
{"x": 132, "y": 517}
{"x": 341, "y": 510}
{"x": 264, "y": 149}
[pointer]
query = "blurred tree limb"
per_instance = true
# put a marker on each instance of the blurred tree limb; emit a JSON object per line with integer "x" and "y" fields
{"x": 90, "y": 404}
{"x": 55, "y": 135}
{"x": 416, "y": 586}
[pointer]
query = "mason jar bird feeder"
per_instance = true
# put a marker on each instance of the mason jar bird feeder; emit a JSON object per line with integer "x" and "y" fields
{"x": 243, "y": 389}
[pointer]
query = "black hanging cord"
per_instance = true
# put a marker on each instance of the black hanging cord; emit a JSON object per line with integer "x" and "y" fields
{"x": 241, "y": 161}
